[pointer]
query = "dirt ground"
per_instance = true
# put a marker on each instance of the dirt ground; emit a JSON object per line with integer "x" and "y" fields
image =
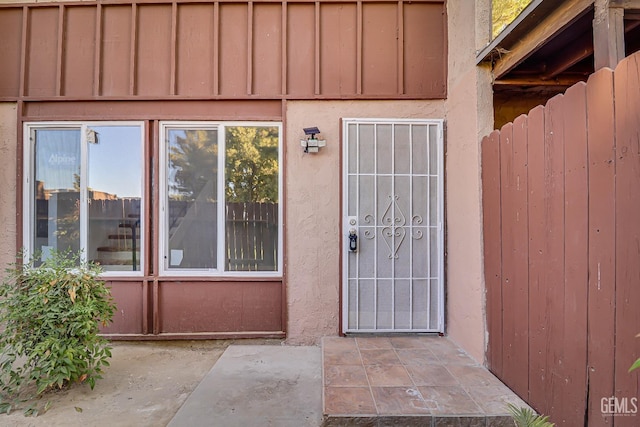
{"x": 145, "y": 385}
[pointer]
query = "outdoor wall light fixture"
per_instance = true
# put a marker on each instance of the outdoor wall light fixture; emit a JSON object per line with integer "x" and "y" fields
{"x": 311, "y": 144}
{"x": 92, "y": 136}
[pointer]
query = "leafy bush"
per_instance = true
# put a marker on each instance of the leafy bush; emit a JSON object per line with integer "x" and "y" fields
{"x": 636, "y": 364}
{"x": 525, "y": 417}
{"x": 51, "y": 313}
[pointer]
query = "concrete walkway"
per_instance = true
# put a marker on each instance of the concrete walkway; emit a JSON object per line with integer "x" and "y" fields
{"x": 258, "y": 385}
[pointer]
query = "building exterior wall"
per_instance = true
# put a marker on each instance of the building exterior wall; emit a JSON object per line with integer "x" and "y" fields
{"x": 312, "y": 185}
{"x": 8, "y": 152}
{"x": 469, "y": 118}
{"x": 313, "y": 189}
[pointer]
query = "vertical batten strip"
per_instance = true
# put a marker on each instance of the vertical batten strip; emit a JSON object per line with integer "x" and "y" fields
{"x": 283, "y": 41}
{"x": 174, "y": 48}
{"x": 133, "y": 48}
{"x": 60, "y": 51}
{"x": 98, "y": 51}
{"x": 317, "y": 49}
{"x": 359, "y": 48}
{"x": 400, "y": 38}
{"x": 249, "y": 48}
{"x": 24, "y": 51}
{"x": 216, "y": 49}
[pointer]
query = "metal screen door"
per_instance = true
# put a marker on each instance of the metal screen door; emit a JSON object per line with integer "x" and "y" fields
{"x": 393, "y": 226}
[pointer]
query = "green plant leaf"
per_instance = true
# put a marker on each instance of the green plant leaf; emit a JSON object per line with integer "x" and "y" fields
{"x": 51, "y": 313}
{"x": 635, "y": 365}
{"x": 525, "y": 417}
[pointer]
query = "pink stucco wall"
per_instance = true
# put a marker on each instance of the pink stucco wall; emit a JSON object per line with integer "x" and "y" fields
{"x": 8, "y": 146}
{"x": 313, "y": 208}
{"x": 312, "y": 185}
{"x": 469, "y": 118}
{"x": 313, "y": 192}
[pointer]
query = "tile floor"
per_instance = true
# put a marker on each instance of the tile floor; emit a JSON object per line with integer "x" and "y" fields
{"x": 409, "y": 380}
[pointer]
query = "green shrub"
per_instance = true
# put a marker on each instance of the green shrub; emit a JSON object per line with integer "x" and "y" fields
{"x": 636, "y": 364}
{"x": 51, "y": 312}
{"x": 525, "y": 417}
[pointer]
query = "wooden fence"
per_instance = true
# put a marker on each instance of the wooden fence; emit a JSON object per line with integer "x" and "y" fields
{"x": 561, "y": 201}
{"x": 252, "y": 236}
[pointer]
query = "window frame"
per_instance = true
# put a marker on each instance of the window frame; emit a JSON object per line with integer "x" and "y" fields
{"x": 28, "y": 188}
{"x": 163, "y": 241}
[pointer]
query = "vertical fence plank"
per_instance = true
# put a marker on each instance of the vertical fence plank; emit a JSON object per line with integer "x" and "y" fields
{"x": 492, "y": 248}
{"x": 602, "y": 276}
{"x": 574, "y": 363}
{"x": 537, "y": 239}
{"x": 553, "y": 257}
{"x": 583, "y": 175}
{"x": 515, "y": 254}
{"x": 627, "y": 130}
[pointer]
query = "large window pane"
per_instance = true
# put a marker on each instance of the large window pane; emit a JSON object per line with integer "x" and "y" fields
{"x": 192, "y": 203}
{"x": 251, "y": 192}
{"x": 56, "y": 190}
{"x": 114, "y": 194}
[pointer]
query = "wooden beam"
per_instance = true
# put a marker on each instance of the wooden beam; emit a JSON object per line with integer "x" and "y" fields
{"x": 625, "y": 4}
{"x": 608, "y": 34}
{"x": 577, "y": 51}
{"x": 563, "y": 81}
{"x": 564, "y": 15}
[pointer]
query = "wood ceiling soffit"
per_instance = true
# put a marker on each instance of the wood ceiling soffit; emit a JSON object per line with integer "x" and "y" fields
{"x": 559, "y": 19}
{"x": 577, "y": 51}
{"x": 626, "y": 4}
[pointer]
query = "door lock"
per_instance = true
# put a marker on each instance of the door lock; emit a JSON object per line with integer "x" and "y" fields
{"x": 353, "y": 240}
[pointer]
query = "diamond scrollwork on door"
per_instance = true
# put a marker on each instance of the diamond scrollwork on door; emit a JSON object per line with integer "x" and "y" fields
{"x": 394, "y": 222}
{"x": 393, "y": 226}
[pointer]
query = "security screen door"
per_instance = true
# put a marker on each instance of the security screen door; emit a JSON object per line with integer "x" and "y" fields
{"x": 393, "y": 226}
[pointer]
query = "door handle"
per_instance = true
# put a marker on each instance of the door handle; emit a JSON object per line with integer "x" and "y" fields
{"x": 353, "y": 240}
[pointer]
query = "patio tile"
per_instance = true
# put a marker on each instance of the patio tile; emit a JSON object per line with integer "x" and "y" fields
{"x": 452, "y": 355}
{"x": 409, "y": 381}
{"x": 370, "y": 343}
{"x": 337, "y": 356}
{"x": 431, "y": 375}
{"x": 444, "y": 421}
{"x": 349, "y": 401}
{"x": 473, "y": 375}
{"x": 345, "y": 376}
{"x": 416, "y": 420}
{"x": 388, "y": 375}
{"x": 398, "y": 401}
{"x": 379, "y": 357}
{"x": 338, "y": 343}
{"x": 421, "y": 356}
{"x": 493, "y": 399}
{"x": 499, "y": 421}
{"x": 350, "y": 421}
{"x": 407, "y": 342}
{"x": 449, "y": 400}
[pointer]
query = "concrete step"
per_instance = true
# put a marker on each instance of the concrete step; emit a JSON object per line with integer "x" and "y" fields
{"x": 409, "y": 381}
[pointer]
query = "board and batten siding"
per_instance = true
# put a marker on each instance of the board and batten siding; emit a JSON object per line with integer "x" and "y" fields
{"x": 224, "y": 50}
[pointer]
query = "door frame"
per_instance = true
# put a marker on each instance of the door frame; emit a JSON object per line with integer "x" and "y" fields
{"x": 344, "y": 226}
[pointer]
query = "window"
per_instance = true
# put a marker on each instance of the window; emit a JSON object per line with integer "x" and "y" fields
{"x": 84, "y": 191}
{"x": 220, "y": 198}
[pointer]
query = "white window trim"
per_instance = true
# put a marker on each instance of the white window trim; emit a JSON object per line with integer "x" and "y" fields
{"x": 163, "y": 250}
{"x": 28, "y": 207}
